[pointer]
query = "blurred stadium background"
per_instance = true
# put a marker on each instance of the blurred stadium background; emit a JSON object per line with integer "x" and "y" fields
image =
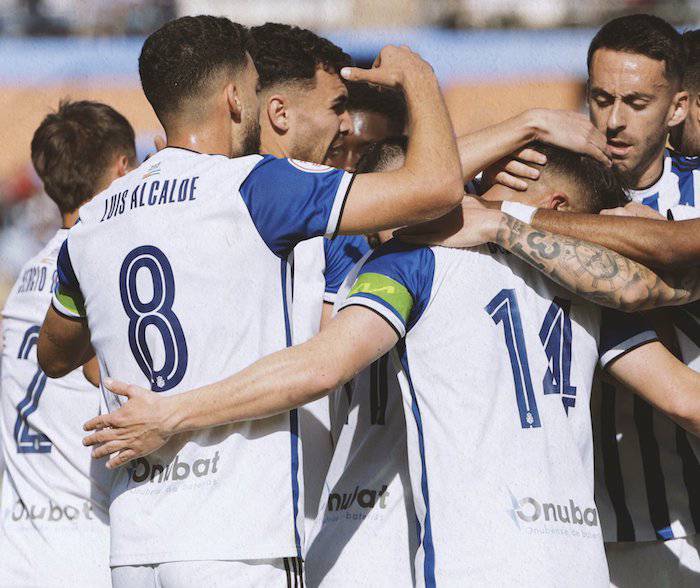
{"x": 494, "y": 58}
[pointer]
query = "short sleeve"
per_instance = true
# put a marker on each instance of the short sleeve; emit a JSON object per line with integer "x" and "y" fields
{"x": 395, "y": 282}
{"x": 621, "y": 332}
{"x": 342, "y": 253}
{"x": 67, "y": 298}
{"x": 290, "y": 201}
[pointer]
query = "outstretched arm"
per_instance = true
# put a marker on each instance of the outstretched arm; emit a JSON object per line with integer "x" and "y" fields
{"x": 652, "y": 372}
{"x": 655, "y": 243}
{"x": 596, "y": 273}
{"x": 277, "y": 383}
{"x": 483, "y": 148}
{"x": 592, "y": 271}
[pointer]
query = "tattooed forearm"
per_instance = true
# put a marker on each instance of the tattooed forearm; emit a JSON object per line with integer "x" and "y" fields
{"x": 596, "y": 273}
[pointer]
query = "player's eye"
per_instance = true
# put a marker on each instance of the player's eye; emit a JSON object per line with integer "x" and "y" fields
{"x": 637, "y": 105}
{"x": 602, "y": 101}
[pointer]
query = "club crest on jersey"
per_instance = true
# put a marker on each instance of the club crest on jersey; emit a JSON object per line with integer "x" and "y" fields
{"x": 154, "y": 170}
{"x": 307, "y": 166}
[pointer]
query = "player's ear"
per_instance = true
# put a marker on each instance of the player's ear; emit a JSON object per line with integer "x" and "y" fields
{"x": 123, "y": 165}
{"x": 678, "y": 109}
{"x": 559, "y": 201}
{"x": 277, "y": 113}
{"x": 235, "y": 104}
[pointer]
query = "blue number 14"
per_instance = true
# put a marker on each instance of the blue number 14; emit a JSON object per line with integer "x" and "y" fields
{"x": 555, "y": 335}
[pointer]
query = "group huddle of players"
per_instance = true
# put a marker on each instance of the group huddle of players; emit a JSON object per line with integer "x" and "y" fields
{"x": 294, "y": 393}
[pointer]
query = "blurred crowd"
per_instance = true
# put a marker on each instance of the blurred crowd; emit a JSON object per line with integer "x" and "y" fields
{"x": 138, "y": 17}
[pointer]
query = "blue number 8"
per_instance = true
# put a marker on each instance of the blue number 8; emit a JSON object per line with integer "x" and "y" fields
{"x": 156, "y": 312}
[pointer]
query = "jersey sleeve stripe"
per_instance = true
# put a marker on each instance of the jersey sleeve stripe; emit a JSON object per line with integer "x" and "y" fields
{"x": 65, "y": 305}
{"x": 379, "y": 306}
{"x": 627, "y": 345}
{"x": 341, "y": 196}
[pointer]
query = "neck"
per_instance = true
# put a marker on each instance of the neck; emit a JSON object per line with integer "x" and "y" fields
{"x": 652, "y": 173}
{"x": 211, "y": 138}
{"x": 68, "y": 219}
{"x": 270, "y": 143}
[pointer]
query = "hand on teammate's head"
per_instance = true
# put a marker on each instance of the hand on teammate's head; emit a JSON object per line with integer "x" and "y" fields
{"x": 514, "y": 170}
{"x": 393, "y": 67}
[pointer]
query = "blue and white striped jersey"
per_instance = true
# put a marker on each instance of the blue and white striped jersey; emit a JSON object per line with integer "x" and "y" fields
{"x": 647, "y": 471}
{"x": 496, "y": 368}
{"x": 182, "y": 269}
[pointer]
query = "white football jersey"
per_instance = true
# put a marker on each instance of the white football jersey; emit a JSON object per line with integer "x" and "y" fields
{"x": 320, "y": 266}
{"x": 497, "y": 364}
{"x": 181, "y": 268}
{"x": 647, "y": 469}
{"x": 365, "y": 531}
{"x": 53, "y": 512}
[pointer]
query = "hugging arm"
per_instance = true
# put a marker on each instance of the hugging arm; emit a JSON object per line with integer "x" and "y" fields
{"x": 272, "y": 385}
{"x": 595, "y": 272}
{"x": 655, "y": 243}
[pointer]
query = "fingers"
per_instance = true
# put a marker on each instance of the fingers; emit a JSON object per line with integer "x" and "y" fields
{"x": 103, "y": 435}
{"x": 122, "y": 388}
{"x": 595, "y": 150}
{"x": 159, "y": 142}
{"x": 510, "y": 181}
{"x": 619, "y": 211}
{"x": 98, "y": 422}
{"x": 108, "y": 449}
{"x": 529, "y": 155}
{"x": 378, "y": 75}
{"x": 121, "y": 458}
{"x": 521, "y": 170}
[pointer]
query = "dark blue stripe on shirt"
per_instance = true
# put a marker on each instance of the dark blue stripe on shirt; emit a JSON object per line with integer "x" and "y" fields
{"x": 612, "y": 471}
{"x": 653, "y": 474}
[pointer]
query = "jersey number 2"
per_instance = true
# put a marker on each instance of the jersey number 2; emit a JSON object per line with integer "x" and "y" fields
{"x": 156, "y": 312}
{"x": 26, "y": 440}
{"x": 555, "y": 335}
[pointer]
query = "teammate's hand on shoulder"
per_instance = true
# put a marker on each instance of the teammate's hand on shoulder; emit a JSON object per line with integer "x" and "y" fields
{"x": 136, "y": 429}
{"x": 569, "y": 130}
{"x": 473, "y": 222}
{"x": 634, "y": 209}
{"x": 393, "y": 68}
{"x": 512, "y": 171}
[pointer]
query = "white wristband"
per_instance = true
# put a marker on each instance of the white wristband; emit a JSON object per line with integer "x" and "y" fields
{"x": 523, "y": 212}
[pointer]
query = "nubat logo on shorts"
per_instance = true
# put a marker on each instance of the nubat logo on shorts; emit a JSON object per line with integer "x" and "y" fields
{"x": 363, "y": 497}
{"x": 530, "y": 510}
{"x": 157, "y": 473}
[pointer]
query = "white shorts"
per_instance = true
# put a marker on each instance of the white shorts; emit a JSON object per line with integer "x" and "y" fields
{"x": 673, "y": 563}
{"x": 260, "y": 573}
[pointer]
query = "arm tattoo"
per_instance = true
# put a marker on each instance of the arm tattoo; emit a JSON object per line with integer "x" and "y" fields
{"x": 595, "y": 273}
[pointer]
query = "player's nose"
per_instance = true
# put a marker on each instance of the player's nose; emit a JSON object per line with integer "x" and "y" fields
{"x": 616, "y": 119}
{"x": 345, "y": 123}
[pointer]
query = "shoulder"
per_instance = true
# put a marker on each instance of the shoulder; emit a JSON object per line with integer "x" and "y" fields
{"x": 683, "y": 163}
{"x": 348, "y": 246}
{"x": 403, "y": 258}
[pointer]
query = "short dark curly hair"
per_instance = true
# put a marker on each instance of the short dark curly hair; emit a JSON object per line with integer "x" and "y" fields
{"x": 643, "y": 34}
{"x": 283, "y": 53}
{"x": 181, "y": 56}
{"x": 390, "y": 103}
{"x": 73, "y": 147}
